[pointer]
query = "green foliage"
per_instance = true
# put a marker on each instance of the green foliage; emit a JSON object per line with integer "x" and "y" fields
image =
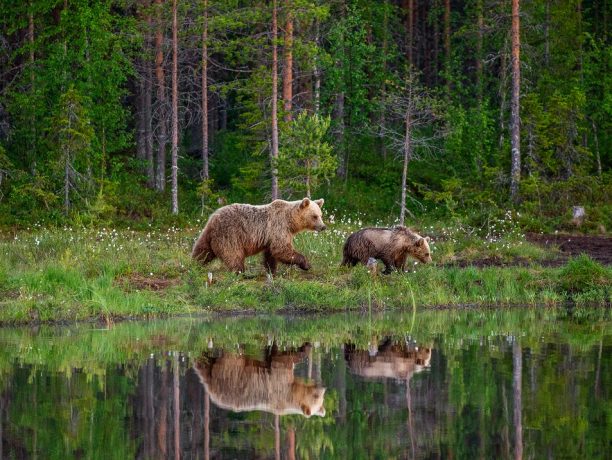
{"x": 305, "y": 158}
{"x": 346, "y": 56}
{"x": 583, "y": 274}
{"x": 210, "y": 199}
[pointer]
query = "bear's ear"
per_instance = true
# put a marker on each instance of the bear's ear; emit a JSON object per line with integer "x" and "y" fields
{"x": 420, "y": 242}
{"x": 427, "y": 239}
{"x": 305, "y": 202}
{"x": 306, "y": 410}
{"x": 320, "y": 202}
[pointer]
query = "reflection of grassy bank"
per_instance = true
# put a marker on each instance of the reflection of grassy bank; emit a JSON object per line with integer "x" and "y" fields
{"x": 70, "y": 274}
{"x": 92, "y": 349}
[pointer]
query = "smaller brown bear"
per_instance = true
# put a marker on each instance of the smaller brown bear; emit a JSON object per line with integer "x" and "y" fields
{"x": 391, "y": 245}
{"x": 237, "y": 231}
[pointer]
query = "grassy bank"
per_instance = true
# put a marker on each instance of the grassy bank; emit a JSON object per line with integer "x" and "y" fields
{"x": 85, "y": 273}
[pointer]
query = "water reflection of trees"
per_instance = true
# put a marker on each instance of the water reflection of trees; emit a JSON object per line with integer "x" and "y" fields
{"x": 116, "y": 396}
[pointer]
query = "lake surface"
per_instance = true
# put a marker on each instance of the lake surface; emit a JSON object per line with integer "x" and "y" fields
{"x": 436, "y": 384}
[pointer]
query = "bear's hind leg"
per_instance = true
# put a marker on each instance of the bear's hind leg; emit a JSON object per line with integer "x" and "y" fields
{"x": 349, "y": 261}
{"x": 202, "y": 252}
{"x": 207, "y": 258}
{"x": 269, "y": 262}
{"x": 230, "y": 254}
{"x": 235, "y": 264}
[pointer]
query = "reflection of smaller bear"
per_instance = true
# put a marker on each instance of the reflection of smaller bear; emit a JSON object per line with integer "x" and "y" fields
{"x": 389, "y": 361}
{"x": 391, "y": 245}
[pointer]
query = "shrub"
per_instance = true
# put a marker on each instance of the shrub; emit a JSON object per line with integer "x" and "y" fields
{"x": 583, "y": 274}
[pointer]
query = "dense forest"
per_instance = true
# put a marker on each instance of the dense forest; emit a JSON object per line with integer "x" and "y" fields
{"x": 138, "y": 109}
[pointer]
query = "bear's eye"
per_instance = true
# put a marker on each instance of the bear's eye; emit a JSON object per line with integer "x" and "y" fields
{"x": 314, "y": 217}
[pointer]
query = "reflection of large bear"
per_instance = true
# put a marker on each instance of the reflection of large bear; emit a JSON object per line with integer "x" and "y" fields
{"x": 237, "y": 231}
{"x": 238, "y": 383}
{"x": 390, "y": 360}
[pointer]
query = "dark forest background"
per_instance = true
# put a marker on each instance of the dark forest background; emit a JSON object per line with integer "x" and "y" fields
{"x": 131, "y": 110}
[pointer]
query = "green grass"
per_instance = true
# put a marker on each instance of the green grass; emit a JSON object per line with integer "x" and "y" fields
{"x": 69, "y": 274}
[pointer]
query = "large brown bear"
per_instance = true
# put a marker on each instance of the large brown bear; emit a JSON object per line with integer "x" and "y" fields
{"x": 238, "y": 383}
{"x": 237, "y": 231}
{"x": 391, "y": 245}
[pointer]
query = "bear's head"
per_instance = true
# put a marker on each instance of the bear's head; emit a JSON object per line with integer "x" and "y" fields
{"x": 309, "y": 215}
{"x": 421, "y": 250}
{"x": 417, "y": 246}
{"x": 311, "y": 400}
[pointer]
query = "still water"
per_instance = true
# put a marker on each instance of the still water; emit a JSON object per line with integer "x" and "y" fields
{"x": 439, "y": 384}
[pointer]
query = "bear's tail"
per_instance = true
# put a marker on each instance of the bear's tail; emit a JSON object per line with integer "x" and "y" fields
{"x": 202, "y": 251}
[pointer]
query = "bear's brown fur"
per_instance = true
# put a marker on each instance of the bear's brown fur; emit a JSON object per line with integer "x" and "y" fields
{"x": 389, "y": 360}
{"x": 391, "y": 245}
{"x": 237, "y": 231}
{"x": 239, "y": 384}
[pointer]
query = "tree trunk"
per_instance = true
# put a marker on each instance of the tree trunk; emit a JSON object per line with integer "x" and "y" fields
{"x": 1, "y": 417}
{"x": 426, "y": 39}
{"x": 274, "y": 150}
{"x": 206, "y": 425}
{"x": 32, "y": 76}
{"x": 160, "y": 176}
{"x": 66, "y": 183}
{"x": 148, "y": 131}
{"x": 547, "y": 33}
{"x": 277, "y": 455}
{"x": 339, "y": 110}
{"x": 410, "y": 423}
{"x": 596, "y": 140}
{"x": 479, "y": 57}
{"x": 205, "y": 94}
{"x": 407, "y": 157}
{"x": 383, "y": 89}
{"x": 436, "y": 44}
{"x": 150, "y": 405}
{"x": 515, "y": 138}
{"x": 225, "y": 107}
{"x": 503, "y": 77}
{"x": 141, "y": 148}
{"x": 175, "y": 206}
{"x": 317, "y": 72}
{"x": 308, "y": 178}
{"x": 162, "y": 429}
{"x": 517, "y": 366}
{"x": 177, "y": 402}
{"x": 447, "y": 43}
{"x": 291, "y": 444}
{"x": 288, "y": 68}
{"x": 410, "y": 47}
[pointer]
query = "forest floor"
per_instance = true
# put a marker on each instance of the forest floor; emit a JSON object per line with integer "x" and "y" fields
{"x": 74, "y": 274}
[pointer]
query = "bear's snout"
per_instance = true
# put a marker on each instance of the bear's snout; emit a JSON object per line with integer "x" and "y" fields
{"x": 321, "y": 227}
